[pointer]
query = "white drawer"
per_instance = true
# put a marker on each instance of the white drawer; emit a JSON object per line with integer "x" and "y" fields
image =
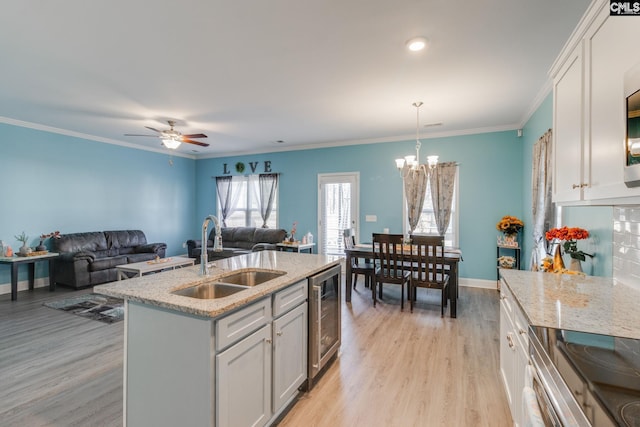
{"x": 289, "y": 298}
{"x": 520, "y": 324}
{"x": 241, "y": 323}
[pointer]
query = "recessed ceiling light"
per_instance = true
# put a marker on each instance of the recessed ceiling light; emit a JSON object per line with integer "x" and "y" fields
{"x": 416, "y": 44}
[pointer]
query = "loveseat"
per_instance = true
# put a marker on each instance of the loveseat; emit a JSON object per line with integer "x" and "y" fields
{"x": 88, "y": 259}
{"x": 238, "y": 241}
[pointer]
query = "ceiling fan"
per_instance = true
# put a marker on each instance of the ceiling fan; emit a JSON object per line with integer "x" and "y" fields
{"x": 172, "y": 138}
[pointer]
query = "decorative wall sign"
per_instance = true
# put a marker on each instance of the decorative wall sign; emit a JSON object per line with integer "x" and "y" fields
{"x": 253, "y": 166}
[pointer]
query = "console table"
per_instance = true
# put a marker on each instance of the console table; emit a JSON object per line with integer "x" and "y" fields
{"x": 15, "y": 261}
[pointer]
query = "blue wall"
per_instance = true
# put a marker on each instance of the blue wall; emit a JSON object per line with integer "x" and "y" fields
{"x": 56, "y": 182}
{"x": 490, "y": 187}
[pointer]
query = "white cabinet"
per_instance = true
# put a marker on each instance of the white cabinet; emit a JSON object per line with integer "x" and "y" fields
{"x": 244, "y": 381}
{"x": 259, "y": 374}
{"x": 612, "y": 46}
{"x": 571, "y": 164}
{"x": 588, "y": 115}
{"x": 289, "y": 355}
{"x": 514, "y": 352}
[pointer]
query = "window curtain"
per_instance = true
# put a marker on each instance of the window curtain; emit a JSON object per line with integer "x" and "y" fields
{"x": 268, "y": 183}
{"x": 442, "y": 181}
{"x": 542, "y": 207}
{"x": 228, "y": 200}
{"x": 415, "y": 188}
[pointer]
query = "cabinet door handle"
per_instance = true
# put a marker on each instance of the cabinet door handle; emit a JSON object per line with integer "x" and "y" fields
{"x": 268, "y": 340}
{"x": 279, "y": 333}
{"x": 522, "y": 331}
{"x": 503, "y": 297}
{"x": 574, "y": 186}
{"x": 511, "y": 344}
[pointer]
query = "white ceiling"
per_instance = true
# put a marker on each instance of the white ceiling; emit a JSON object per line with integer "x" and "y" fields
{"x": 250, "y": 72}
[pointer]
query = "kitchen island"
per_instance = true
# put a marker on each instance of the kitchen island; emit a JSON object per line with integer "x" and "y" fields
{"x": 231, "y": 361}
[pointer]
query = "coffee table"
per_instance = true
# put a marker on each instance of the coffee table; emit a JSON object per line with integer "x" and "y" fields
{"x": 153, "y": 266}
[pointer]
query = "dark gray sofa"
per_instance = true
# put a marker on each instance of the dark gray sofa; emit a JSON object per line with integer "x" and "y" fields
{"x": 88, "y": 259}
{"x": 238, "y": 241}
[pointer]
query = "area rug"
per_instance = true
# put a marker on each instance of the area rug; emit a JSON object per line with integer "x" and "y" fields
{"x": 92, "y": 306}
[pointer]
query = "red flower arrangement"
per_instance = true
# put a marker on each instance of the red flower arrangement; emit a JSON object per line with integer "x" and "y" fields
{"x": 570, "y": 235}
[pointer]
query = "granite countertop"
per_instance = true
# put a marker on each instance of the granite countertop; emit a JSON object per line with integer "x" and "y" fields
{"x": 155, "y": 289}
{"x": 581, "y": 303}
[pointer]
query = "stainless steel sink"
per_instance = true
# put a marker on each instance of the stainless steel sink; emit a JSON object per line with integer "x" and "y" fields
{"x": 229, "y": 284}
{"x": 210, "y": 290}
{"x": 250, "y": 277}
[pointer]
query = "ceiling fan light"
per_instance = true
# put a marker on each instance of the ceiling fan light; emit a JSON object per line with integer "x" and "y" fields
{"x": 416, "y": 44}
{"x": 171, "y": 143}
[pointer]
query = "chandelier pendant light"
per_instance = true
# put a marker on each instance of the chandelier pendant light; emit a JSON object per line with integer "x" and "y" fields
{"x": 411, "y": 162}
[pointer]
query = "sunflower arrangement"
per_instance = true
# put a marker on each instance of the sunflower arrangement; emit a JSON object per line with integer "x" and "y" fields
{"x": 509, "y": 225}
{"x": 570, "y": 236}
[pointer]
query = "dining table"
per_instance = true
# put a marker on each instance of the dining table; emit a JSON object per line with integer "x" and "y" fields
{"x": 452, "y": 256}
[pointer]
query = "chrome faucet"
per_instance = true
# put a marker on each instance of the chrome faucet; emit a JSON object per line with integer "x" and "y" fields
{"x": 217, "y": 243}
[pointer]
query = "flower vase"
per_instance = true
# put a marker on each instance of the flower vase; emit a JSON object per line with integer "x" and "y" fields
{"x": 24, "y": 249}
{"x": 558, "y": 263}
{"x": 41, "y": 247}
{"x": 575, "y": 265}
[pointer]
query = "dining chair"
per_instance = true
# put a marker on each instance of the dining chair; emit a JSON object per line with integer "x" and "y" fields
{"x": 389, "y": 256}
{"x": 365, "y": 267}
{"x": 428, "y": 267}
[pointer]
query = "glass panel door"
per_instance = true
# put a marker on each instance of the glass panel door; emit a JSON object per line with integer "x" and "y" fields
{"x": 338, "y": 210}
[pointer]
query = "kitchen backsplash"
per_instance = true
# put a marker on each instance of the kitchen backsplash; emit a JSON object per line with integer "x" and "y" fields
{"x": 626, "y": 245}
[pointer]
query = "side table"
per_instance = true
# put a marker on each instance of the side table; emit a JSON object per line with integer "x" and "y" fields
{"x": 507, "y": 250}
{"x": 296, "y": 247}
{"x": 15, "y": 261}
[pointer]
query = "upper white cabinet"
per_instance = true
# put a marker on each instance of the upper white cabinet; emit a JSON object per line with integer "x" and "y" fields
{"x": 571, "y": 166}
{"x": 589, "y": 109}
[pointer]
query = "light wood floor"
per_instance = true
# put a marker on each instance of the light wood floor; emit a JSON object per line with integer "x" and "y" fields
{"x": 394, "y": 368}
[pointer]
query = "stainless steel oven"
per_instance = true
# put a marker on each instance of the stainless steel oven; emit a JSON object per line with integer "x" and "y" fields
{"x": 324, "y": 320}
{"x": 557, "y": 405}
{"x": 588, "y": 379}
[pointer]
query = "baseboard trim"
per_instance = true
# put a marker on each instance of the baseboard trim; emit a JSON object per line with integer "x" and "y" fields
{"x": 23, "y": 285}
{"x": 478, "y": 283}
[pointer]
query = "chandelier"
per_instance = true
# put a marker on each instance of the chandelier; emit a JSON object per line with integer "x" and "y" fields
{"x": 411, "y": 162}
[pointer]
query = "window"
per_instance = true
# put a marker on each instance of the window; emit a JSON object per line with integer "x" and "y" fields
{"x": 246, "y": 212}
{"x": 427, "y": 222}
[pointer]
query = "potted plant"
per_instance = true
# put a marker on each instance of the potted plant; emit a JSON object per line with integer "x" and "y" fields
{"x": 24, "y": 249}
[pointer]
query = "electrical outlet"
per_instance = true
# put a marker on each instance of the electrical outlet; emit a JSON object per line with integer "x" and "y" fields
{"x": 371, "y": 218}
{"x": 184, "y": 244}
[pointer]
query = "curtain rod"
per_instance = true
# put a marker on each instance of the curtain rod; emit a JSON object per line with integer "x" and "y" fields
{"x": 250, "y": 174}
